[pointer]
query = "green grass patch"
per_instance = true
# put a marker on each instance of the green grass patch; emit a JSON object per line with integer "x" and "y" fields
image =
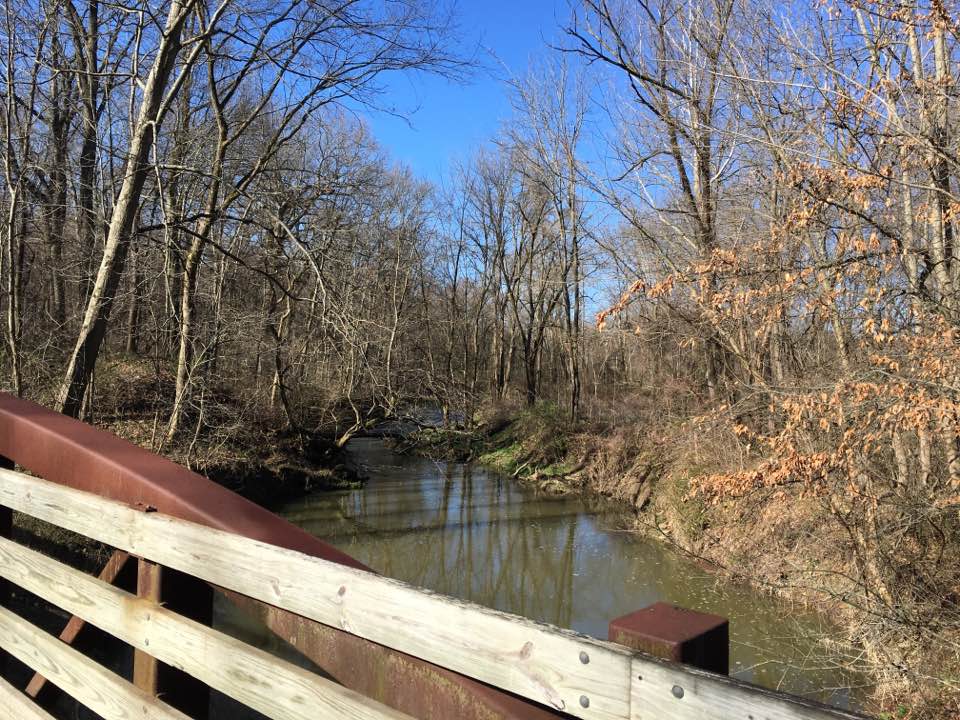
{"x": 558, "y": 469}
{"x": 505, "y": 458}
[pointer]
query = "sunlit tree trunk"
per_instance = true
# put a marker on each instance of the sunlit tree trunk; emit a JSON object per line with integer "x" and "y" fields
{"x": 93, "y": 329}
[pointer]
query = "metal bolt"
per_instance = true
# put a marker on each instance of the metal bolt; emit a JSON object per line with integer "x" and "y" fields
{"x": 584, "y": 658}
{"x": 677, "y": 691}
{"x": 584, "y": 701}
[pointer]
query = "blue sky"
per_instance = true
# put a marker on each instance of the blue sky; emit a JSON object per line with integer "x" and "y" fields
{"x": 445, "y": 121}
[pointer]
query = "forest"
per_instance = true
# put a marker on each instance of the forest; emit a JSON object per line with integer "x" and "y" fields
{"x": 711, "y": 260}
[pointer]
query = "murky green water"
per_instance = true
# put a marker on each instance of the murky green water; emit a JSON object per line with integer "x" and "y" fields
{"x": 469, "y": 532}
{"x": 466, "y": 531}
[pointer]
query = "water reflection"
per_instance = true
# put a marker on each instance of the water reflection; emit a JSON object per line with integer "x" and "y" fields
{"x": 468, "y": 532}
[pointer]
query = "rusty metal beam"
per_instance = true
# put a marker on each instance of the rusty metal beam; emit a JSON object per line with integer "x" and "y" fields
{"x": 72, "y": 453}
{"x": 191, "y": 598}
{"x": 416, "y": 687}
{"x": 188, "y": 597}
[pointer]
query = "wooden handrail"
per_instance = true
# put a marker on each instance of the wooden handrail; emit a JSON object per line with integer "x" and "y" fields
{"x": 536, "y": 661}
{"x": 582, "y": 676}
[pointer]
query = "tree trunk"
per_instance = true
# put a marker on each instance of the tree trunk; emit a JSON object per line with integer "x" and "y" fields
{"x": 133, "y": 310}
{"x": 83, "y": 359}
{"x": 56, "y": 216}
{"x": 87, "y": 38}
{"x": 188, "y": 286}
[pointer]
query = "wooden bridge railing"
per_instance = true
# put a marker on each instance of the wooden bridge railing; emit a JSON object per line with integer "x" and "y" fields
{"x": 578, "y": 675}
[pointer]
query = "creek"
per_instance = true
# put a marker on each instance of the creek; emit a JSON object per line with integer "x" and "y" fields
{"x": 470, "y": 532}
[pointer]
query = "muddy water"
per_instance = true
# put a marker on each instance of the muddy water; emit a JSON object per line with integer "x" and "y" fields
{"x": 469, "y": 532}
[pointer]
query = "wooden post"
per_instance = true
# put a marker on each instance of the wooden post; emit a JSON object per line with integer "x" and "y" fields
{"x": 149, "y": 576}
{"x": 6, "y": 531}
{"x": 674, "y": 633}
{"x": 191, "y": 598}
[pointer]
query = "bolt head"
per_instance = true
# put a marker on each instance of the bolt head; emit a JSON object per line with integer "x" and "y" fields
{"x": 584, "y": 658}
{"x": 584, "y": 701}
{"x": 677, "y": 691}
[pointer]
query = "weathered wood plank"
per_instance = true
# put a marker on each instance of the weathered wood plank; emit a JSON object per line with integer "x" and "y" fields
{"x": 271, "y": 686}
{"x": 14, "y": 704}
{"x": 666, "y": 690}
{"x": 104, "y": 692}
{"x": 534, "y": 660}
{"x": 75, "y": 625}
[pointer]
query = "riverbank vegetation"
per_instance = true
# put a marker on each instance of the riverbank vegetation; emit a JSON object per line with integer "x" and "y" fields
{"x": 710, "y": 266}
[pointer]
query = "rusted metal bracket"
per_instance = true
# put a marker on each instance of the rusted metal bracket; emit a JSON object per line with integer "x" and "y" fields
{"x": 675, "y": 633}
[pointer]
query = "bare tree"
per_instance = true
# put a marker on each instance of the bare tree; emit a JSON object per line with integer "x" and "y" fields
{"x": 158, "y": 92}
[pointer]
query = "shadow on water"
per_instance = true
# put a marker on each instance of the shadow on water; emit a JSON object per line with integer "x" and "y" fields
{"x": 469, "y": 532}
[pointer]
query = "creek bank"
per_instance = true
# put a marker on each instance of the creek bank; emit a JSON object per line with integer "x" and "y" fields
{"x": 286, "y": 469}
{"x": 538, "y": 446}
{"x": 236, "y": 441}
{"x": 261, "y": 463}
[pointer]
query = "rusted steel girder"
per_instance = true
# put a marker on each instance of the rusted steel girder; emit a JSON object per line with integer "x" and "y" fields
{"x": 77, "y": 455}
{"x": 417, "y": 687}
